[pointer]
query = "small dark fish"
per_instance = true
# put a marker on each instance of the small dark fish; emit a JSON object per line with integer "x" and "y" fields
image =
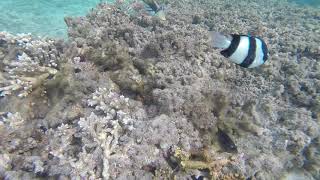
{"x": 3, "y": 115}
{"x": 2, "y": 42}
{"x": 171, "y": 160}
{"x": 17, "y": 55}
{"x": 150, "y": 168}
{"x": 226, "y": 142}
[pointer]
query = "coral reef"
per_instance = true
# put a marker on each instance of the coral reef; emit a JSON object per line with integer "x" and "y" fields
{"x": 212, "y": 163}
{"x": 26, "y": 63}
{"x": 131, "y": 96}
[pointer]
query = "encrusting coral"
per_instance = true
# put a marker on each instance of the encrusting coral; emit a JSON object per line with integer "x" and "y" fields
{"x": 130, "y": 96}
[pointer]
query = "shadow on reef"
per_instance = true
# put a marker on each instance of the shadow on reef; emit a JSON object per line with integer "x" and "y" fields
{"x": 133, "y": 76}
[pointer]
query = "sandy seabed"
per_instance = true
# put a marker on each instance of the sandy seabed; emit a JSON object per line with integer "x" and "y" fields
{"x": 129, "y": 96}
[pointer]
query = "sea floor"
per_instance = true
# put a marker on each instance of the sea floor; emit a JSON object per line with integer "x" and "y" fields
{"x": 131, "y": 96}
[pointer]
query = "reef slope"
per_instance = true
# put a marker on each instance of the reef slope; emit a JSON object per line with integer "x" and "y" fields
{"x": 132, "y": 97}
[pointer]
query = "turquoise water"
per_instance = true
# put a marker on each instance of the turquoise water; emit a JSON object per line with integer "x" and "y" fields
{"x": 46, "y": 17}
{"x": 307, "y": 2}
{"x": 41, "y": 17}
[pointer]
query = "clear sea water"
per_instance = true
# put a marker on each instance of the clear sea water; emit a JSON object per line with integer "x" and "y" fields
{"x": 46, "y": 17}
{"x": 41, "y": 17}
{"x": 307, "y": 2}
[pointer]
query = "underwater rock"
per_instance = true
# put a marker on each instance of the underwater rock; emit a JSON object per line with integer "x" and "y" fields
{"x": 127, "y": 88}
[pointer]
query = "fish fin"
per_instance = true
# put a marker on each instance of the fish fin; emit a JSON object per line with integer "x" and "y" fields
{"x": 219, "y": 40}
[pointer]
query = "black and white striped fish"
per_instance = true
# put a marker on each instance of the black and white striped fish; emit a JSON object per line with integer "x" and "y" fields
{"x": 155, "y": 9}
{"x": 246, "y": 51}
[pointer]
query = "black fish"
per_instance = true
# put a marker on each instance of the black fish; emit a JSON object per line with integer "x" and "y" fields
{"x": 226, "y": 142}
{"x": 2, "y": 42}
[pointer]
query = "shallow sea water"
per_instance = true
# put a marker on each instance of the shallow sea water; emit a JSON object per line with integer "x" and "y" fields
{"x": 41, "y": 17}
{"x": 46, "y": 17}
{"x": 307, "y": 2}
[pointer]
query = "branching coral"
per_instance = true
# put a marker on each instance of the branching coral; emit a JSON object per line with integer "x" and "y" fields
{"x": 28, "y": 63}
{"x": 95, "y": 138}
{"x": 105, "y": 133}
{"x": 106, "y": 130}
{"x": 9, "y": 122}
{"x": 112, "y": 104}
{"x": 24, "y": 76}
